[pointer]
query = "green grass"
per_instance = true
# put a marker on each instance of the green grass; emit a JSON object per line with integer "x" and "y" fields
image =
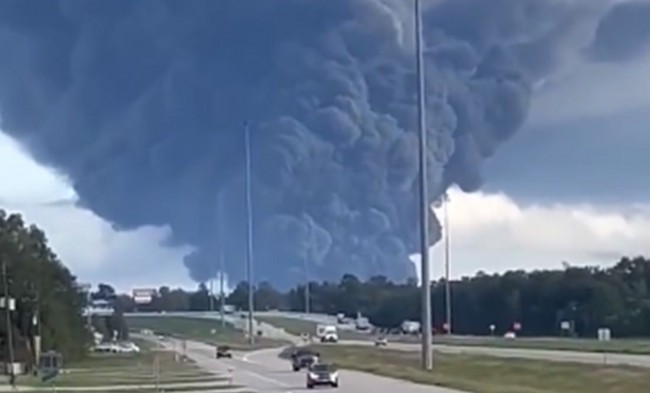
{"x": 152, "y": 365}
{"x": 300, "y": 326}
{"x": 483, "y": 374}
{"x": 629, "y": 346}
{"x": 200, "y": 329}
{"x": 207, "y": 388}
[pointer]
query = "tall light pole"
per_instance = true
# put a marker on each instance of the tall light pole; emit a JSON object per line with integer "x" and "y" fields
{"x": 249, "y": 235}
{"x": 222, "y": 298}
{"x": 427, "y": 350}
{"x": 307, "y": 286}
{"x": 307, "y": 295}
{"x": 8, "y": 304}
{"x": 447, "y": 234}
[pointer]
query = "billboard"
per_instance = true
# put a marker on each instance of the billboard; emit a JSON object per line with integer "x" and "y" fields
{"x": 143, "y": 295}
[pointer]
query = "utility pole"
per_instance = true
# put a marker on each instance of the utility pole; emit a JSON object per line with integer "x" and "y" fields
{"x": 447, "y": 233}
{"x": 8, "y": 304}
{"x": 222, "y": 298}
{"x": 307, "y": 278}
{"x": 249, "y": 235}
{"x": 307, "y": 294}
{"x": 427, "y": 350}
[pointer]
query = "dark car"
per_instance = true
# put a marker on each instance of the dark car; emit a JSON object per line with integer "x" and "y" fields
{"x": 303, "y": 359}
{"x": 322, "y": 374}
{"x": 224, "y": 352}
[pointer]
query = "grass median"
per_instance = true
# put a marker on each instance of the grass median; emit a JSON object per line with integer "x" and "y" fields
{"x": 629, "y": 346}
{"x": 200, "y": 329}
{"x": 485, "y": 374}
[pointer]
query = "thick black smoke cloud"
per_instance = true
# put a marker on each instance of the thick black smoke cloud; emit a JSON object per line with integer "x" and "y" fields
{"x": 142, "y": 104}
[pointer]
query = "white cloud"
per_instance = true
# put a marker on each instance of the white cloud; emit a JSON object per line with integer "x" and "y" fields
{"x": 88, "y": 245}
{"x": 491, "y": 232}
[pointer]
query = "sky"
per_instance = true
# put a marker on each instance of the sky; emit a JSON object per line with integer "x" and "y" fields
{"x": 569, "y": 187}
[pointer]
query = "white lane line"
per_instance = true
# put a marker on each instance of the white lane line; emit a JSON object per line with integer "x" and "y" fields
{"x": 247, "y": 357}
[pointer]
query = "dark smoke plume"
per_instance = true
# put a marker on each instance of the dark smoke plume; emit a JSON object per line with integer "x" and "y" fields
{"x": 142, "y": 104}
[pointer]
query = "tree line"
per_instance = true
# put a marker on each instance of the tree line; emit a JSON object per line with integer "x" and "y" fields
{"x": 583, "y": 299}
{"x": 47, "y": 299}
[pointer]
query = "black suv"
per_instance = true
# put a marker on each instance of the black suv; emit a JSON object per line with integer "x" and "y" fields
{"x": 303, "y": 359}
{"x": 224, "y": 352}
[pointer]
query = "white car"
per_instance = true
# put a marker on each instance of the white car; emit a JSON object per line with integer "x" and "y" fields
{"x": 128, "y": 347}
{"x": 123, "y": 347}
{"x": 381, "y": 342}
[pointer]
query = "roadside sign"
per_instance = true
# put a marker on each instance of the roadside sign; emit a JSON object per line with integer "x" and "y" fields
{"x": 143, "y": 295}
{"x": 50, "y": 364}
{"x": 516, "y": 326}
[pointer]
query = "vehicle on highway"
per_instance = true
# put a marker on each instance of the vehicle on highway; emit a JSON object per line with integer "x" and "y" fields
{"x": 304, "y": 359}
{"x": 327, "y": 333}
{"x": 322, "y": 374}
{"x": 381, "y": 342}
{"x": 223, "y": 351}
{"x": 362, "y": 323}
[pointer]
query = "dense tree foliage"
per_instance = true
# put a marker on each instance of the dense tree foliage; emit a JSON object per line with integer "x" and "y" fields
{"x": 44, "y": 290}
{"x": 586, "y": 297}
{"x": 112, "y": 326}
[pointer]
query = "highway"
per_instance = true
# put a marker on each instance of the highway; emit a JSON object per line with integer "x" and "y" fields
{"x": 619, "y": 359}
{"x": 263, "y": 371}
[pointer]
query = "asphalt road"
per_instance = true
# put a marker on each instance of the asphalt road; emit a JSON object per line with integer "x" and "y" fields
{"x": 263, "y": 371}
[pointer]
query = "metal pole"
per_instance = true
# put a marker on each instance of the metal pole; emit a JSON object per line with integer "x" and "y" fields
{"x": 10, "y": 336}
{"x": 89, "y": 317}
{"x": 427, "y": 350}
{"x": 249, "y": 236}
{"x": 307, "y": 278}
{"x": 307, "y": 295}
{"x": 222, "y": 299}
{"x": 447, "y": 233}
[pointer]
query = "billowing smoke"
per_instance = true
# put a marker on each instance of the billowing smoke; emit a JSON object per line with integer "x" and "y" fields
{"x": 143, "y": 104}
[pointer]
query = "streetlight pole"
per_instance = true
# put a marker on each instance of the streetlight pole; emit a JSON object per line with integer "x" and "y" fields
{"x": 222, "y": 299}
{"x": 8, "y": 305}
{"x": 249, "y": 235}
{"x": 307, "y": 286}
{"x": 447, "y": 234}
{"x": 427, "y": 350}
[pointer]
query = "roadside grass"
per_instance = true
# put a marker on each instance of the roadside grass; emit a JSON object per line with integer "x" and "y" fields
{"x": 300, "y": 326}
{"x": 209, "y": 331}
{"x": 485, "y": 374}
{"x": 628, "y": 346}
{"x": 205, "y": 388}
{"x": 139, "y": 372}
